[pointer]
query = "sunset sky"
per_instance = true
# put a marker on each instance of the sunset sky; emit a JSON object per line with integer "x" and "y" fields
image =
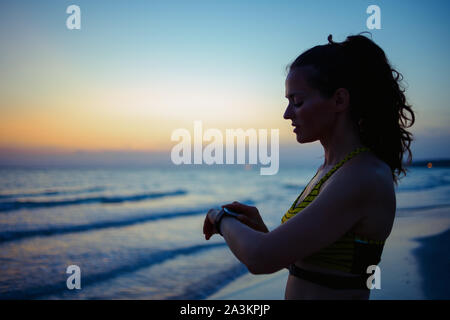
{"x": 138, "y": 70}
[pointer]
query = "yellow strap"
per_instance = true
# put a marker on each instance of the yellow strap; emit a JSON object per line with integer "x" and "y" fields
{"x": 293, "y": 210}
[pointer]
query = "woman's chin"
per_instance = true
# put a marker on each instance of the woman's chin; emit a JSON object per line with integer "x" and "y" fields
{"x": 301, "y": 139}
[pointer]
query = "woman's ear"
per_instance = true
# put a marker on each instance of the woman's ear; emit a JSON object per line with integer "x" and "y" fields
{"x": 341, "y": 99}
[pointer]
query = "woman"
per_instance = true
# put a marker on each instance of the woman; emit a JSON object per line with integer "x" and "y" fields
{"x": 346, "y": 96}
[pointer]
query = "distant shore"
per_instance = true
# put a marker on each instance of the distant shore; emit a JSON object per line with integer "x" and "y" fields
{"x": 433, "y": 162}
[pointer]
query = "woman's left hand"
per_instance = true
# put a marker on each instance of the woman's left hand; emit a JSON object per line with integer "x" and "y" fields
{"x": 208, "y": 225}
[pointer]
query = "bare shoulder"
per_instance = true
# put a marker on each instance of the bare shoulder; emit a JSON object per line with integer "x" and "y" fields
{"x": 366, "y": 172}
{"x": 370, "y": 181}
{"x": 375, "y": 177}
{"x": 373, "y": 172}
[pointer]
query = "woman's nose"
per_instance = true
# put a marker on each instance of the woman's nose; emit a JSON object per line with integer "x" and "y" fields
{"x": 287, "y": 113}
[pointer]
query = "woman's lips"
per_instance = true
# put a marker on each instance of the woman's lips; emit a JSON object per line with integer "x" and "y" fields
{"x": 295, "y": 129}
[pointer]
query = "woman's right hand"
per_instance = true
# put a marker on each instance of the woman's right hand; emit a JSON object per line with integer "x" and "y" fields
{"x": 248, "y": 215}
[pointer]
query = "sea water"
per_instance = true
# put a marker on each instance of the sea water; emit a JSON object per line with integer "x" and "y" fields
{"x": 136, "y": 233}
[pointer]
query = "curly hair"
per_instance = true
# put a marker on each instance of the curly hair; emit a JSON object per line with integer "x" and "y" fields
{"x": 378, "y": 104}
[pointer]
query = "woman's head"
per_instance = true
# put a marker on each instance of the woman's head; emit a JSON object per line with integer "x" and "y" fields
{"x": 354, "y": 79}
{"x": 313, "y": 115}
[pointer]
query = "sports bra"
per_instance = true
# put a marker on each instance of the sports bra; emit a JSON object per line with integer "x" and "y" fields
{"x": 351, "y": 253}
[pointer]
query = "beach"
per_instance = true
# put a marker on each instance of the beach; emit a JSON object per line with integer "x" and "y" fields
{"x": 137, "y": 233}
{"x": 414, "y": 265}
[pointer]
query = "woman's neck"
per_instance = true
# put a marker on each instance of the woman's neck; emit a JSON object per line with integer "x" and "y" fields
{"x": 340, "y": 143}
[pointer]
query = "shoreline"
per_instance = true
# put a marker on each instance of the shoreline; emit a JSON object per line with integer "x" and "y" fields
{"x": 414, "y": 264}
{"x": 436, "y": 286}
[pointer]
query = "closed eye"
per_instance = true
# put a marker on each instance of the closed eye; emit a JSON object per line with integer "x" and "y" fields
{"x": 298, "y": 104}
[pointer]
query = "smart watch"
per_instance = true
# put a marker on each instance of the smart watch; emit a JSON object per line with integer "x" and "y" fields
{"x": 222, "y": 213}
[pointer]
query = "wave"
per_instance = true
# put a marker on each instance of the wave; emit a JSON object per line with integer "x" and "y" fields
{"x": 8, "y": 236}
{"x": 212, "y": 283}
{"x": 432, "y": 183}
{"x": 418, "y": 208}
{"x": 435, "y": 182}
{"x": 293, "y": 186}
{"x": 51, "y": 192}
{"x": 46, "y": 232}
{"x": 19, "y": 204}
{"x": 401, "y": 188}
{"x": 146, "y": 260}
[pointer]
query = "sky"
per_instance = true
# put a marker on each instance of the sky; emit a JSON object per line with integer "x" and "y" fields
{"x": 138, "y": 70}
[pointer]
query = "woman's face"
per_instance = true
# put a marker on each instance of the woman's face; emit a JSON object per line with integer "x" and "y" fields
{"x": 311, "y": 114}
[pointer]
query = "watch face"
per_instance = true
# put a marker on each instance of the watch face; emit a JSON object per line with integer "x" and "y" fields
{"x": 231, "y": 213}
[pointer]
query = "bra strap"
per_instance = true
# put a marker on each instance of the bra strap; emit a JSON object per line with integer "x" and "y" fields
{"x": 292, "y": 211}
{"x": 333, "y": 170}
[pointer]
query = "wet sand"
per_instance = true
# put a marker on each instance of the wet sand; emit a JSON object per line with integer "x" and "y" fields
{"x": 436, "y": 285}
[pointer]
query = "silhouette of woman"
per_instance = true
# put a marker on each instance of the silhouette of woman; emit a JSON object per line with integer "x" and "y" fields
{"x": 347, "y": 96}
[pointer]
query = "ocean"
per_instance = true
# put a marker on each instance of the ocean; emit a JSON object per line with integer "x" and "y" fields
{"x": 136, "y": 233}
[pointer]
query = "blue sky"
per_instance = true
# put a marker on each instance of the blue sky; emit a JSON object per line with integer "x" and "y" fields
{"x": 137, "y": 70}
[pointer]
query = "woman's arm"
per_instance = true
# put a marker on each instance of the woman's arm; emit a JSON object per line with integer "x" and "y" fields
{"x": 244, "y": 242}
{"x": 335, "y": 210}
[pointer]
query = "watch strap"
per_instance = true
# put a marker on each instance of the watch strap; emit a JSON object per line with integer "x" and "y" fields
{"x": 218, "y": 220}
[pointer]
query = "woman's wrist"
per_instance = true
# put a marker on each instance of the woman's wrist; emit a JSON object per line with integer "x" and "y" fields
{"x": 224, "y": 218}
{"x": 218, "y": 217}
